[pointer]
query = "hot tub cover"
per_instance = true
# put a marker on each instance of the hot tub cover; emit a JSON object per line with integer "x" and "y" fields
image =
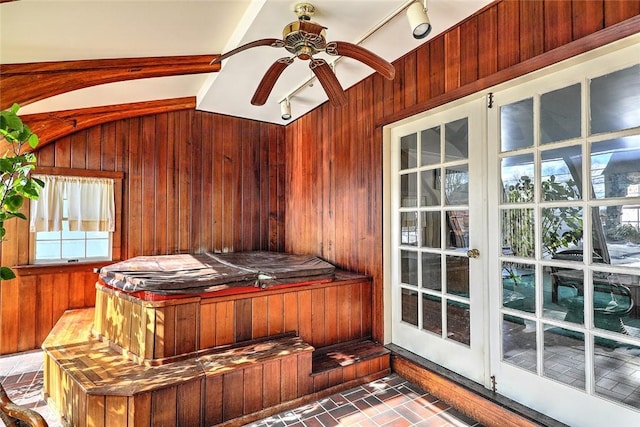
{"x": 185, "y": 273}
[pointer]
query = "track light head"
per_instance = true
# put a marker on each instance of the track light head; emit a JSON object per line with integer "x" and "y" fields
{"x": 285, "y": 109}
{"x": 419, "y": 20}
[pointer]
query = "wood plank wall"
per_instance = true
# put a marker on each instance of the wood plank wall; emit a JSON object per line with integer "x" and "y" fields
{"x": 193, "y": 181}
{"x": 188, "y": 194}
{"x": 334, "y": 156}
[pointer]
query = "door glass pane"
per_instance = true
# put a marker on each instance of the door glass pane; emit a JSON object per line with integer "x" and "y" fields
{"x": 564, "y": 357}
{"x": 614, "y": 167}
{"x": 614, "y": 302}
{"x": 457, "y": 229}
{"x": 516, "y": 125}
{"x": 432, "y": 313}
{"x": 431, "y": 229}
{"x": 615, "y": 101}
{"x": 617, "y": 372}
{"x": 409, "y": 267}
{"x": 409, "y": 228}
{"x": 519, "y": 286}
{"x": 564, "y": 294}
{"x": 457, "y": 275}
{"x": 562, "y": 174}
{"x": 456, "y": 140}
{"x": 430, "y": 187}
{"x": 458, "y": 325}
{"x": 518, "y": 238}
{"x": 519, "y": 342}
{"x": 457, "y": 185}
{"x": 560, "y": 114}
{"x": 409, "y": 151}
{"x": 409, "y": 190}
{"x": 518, "y": 179}
{"x": 430, "y": 143}
{"x": 431, "y": 271}
{"x": 621, "y": 232}
{"x": 561, "y": 230}
{"x": 409, "y": 301}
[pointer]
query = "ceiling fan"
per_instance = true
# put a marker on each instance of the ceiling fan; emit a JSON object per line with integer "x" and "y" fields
{"x": 304, "y": 38}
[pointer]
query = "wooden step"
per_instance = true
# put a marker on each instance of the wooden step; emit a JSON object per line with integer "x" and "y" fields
{"x": 88, "y": 382}
{"x": 349, "y": 362}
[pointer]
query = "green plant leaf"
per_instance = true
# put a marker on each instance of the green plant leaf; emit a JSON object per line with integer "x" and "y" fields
{"x": 33, "y": 140}
{"x": 6, "y": 273}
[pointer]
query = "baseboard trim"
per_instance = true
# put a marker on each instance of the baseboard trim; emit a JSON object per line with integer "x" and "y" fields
{"x": 470, "y": 398}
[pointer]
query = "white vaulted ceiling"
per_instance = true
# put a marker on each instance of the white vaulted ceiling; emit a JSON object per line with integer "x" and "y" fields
{"x": 51, "y": 30}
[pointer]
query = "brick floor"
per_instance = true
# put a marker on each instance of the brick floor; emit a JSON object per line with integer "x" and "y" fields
{"x": 390, "y": 401}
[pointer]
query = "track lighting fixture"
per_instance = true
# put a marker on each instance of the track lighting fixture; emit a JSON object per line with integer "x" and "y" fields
{"x": 285, "y": 109}
{"x": 418, "y": 19}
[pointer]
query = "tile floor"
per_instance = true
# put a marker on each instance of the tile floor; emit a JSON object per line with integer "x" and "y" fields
{"x": 391, "y": 401}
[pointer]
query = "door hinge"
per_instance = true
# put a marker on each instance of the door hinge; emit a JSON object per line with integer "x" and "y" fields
{"x": 490, "y": 100}
{"x": 493, "y": 383}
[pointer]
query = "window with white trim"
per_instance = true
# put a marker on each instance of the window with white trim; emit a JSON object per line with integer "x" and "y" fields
{"x": 73, "y": 220}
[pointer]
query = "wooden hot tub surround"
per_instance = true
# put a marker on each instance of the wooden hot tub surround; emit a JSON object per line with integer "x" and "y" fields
{"x": 199, "y": 360}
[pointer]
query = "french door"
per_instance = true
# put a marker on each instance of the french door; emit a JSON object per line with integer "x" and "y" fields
{"x": 437, "y": 219}
{"x": 513, "y": 239}
{"x": 564, "y": 274}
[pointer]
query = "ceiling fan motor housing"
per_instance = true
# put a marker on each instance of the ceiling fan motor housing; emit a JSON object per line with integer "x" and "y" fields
{"x": 304, "y": 38}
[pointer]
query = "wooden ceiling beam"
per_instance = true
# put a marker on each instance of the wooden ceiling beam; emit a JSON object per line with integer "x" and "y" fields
{"x": 30, "y": 82}
{"x": 57, "y": 124}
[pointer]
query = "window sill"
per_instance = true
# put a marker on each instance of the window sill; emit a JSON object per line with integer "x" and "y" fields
{"x": 35, "y": 269}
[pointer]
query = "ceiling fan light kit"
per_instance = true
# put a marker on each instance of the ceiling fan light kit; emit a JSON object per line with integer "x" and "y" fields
{"x": 304, "y": 38}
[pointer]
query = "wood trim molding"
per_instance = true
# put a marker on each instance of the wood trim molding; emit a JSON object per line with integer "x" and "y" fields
{"x": 54, "y": 125}
{"x": 30, "y": 82}
{"x": 599, "y": 39}
{"x": 48, "y": 170}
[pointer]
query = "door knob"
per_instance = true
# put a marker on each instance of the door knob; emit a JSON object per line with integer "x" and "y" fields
{"x": 473, "y": 253}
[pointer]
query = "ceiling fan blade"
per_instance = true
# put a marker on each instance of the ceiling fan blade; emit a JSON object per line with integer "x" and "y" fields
{"x": 269, "y": 80}
{"x": 363, "y": 55}
{"x": 329, "y": 82}
{"x": 261, "y": 42}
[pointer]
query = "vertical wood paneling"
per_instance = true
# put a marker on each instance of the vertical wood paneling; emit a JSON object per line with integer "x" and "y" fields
{"x": 260, "y": 311}
{"x": 488, "y": 43}
{"x": 242, "y": 310}
{"x": 508, "y": 34}
{"x": 270, "y": 372}
{"x": 166, "y": 163}
{"x": 276, "y": 314}
{"x": 618, "y": 10}
{"x": 437, "y": 69}
{"x": 331, "y": 151}
{"x": 27, "y": 315}
{"x": 410, "y": 79}
{"x": 531, "y": 34}
{"x": 423, "y": 85}
{"x": 232, "y": 394}
{"x": 469, "y": 51}
{"x": 557, "y": 16}
{"x": 163, "y": 406}
{"x": 452, "y": 59}
{"x": 188, "y": 401}
{"x": 500, "y": 36}
{"x": 213, "y": 403}
{"x": 588, "y": 17}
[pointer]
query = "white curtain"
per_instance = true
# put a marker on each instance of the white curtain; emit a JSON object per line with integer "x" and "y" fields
{"x": 90, "y": 202}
